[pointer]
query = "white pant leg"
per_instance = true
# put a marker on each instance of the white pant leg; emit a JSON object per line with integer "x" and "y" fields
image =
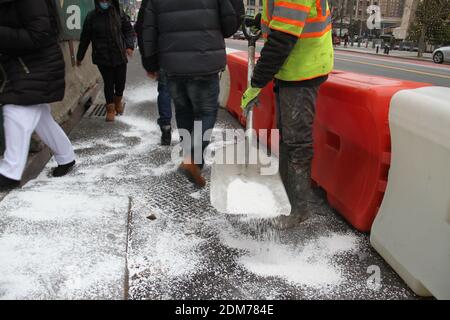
{"x": 54, "y": 137}
{"x": 19, "y": 124}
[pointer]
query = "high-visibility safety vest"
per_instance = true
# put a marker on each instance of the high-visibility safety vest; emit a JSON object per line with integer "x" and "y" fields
{"x": 310, "y": 21}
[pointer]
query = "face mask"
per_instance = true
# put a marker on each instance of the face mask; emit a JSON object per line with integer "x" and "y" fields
{"x": 104, "y": 5}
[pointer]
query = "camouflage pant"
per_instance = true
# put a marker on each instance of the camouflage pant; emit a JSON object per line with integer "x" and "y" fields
{"x": 296, "y": 111}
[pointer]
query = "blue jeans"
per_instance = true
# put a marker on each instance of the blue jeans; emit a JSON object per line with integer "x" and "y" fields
{"x": 164, "y": 101}
{"x": 196, "y": 99}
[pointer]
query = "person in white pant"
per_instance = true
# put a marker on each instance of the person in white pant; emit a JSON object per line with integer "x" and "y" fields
{"x": 19, "y": 124}
{"x": 33, "y": 72}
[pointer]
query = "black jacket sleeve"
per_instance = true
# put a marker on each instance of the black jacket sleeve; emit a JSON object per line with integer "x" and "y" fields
{"x": 147, "y": 30}
{"x": 138, "y": 26}
{"x": 128, "y": 31}
{"x": 228, "y": 18}
{"x": 35, "y": 32}
{"x": 275, "y": 52}
{"x": 86, "y": 37}
{"x": 239, "y": 9}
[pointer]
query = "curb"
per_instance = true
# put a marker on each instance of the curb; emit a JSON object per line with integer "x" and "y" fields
{"x": 384, "y": 55}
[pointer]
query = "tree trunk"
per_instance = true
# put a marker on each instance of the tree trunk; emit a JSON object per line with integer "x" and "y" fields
{"x": 422, "y": 42}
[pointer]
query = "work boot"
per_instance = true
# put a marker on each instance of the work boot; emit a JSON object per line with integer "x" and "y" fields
{"x": 119, "y": 106}
{"x": 7, "y": 184}
{"x": 166, "y": 137}
{"x": 64, "y": 169}
{"x": 110, "y": 112}
{"x": 298, "y": 188}
{"x": 193, "y": 173}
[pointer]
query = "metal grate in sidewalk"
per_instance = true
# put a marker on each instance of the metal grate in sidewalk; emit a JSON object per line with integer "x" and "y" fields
{"x": 96, "y": 110}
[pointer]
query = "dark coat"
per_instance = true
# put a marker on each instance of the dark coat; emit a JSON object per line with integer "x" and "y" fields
{"x": 110, "y": 32}
{"x": 30, "y": 54}
{"x": 186, "y": 38}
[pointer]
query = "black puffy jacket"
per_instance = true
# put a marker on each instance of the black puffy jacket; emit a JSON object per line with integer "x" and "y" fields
{"x": 30, "y": 54}
{"x": 186, "y": 38}
{"x": 110, "y": 32}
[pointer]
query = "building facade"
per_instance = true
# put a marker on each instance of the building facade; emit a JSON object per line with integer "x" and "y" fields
{"x": 391, "y": 10}
{"x": 252, "y": 7}
{"x": 348, "y": 12}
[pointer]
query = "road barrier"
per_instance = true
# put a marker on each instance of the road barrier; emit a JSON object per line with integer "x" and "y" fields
{"x": 412, "y": 229}
{"x": 352, "y": 143}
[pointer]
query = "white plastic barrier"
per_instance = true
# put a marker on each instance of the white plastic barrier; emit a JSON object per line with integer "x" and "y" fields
{"x": 225, "y": 87}
{"x": 412, "y": 229}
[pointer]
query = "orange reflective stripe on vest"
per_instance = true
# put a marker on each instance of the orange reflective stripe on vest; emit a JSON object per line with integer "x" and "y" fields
{"x": 316, "y": 27}
{"x": 290, "y": 13}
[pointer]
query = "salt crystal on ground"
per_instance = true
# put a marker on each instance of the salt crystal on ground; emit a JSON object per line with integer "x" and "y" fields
{"x": 62, "y": 246}
{"x": 311, "y": 265}
{"x": 163, "y": 169}
{"x": 196, "y": 195}
{"x": 143, "y": 92}
{"x": 245, "y": 197}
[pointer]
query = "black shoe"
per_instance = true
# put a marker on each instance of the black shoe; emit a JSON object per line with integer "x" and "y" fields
{"x": 7, "y": 184}
{"x": 166, "y": 137}
{"x": 62, "y": 170}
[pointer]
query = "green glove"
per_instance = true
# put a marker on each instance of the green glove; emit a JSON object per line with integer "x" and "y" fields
{"x": 249, "y": 98}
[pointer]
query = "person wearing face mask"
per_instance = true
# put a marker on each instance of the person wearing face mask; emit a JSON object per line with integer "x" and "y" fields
{"x": 112, "y": 36}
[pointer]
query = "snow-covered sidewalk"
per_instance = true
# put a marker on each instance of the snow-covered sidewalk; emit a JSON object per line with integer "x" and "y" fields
{"x": 88, "y": 235}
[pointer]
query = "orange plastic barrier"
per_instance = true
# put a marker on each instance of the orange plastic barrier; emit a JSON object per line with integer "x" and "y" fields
{"x": 352, "y": 146}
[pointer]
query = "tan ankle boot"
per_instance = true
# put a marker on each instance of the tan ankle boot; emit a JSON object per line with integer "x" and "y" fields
{"x": 119, "y": 105}
{"x": 110, "y": 112}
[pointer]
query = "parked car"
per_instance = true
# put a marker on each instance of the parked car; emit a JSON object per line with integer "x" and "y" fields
{"x": 441, "y": 55}
{"x": 239, "y": 35}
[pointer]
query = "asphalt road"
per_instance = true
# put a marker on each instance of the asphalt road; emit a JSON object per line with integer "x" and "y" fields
{"x": 390, "y": 67}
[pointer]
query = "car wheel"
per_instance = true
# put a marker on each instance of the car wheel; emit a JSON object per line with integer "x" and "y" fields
{"x": 438, "y": 57}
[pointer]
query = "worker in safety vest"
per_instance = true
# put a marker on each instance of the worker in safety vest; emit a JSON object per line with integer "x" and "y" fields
{"x": 298, "y": 53}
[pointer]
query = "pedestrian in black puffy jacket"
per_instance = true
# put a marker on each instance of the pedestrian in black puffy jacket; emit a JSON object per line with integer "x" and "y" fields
{"x": 186, "y": 40}
{"x": 33, "y": 65}
{"x": 113, "y": 39}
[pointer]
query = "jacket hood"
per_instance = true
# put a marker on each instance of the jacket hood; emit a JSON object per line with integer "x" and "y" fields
{"x": 115, "y": 3}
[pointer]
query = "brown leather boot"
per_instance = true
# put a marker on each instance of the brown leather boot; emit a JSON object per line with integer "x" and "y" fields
{"x": 110, "y": 112}
{"x": 193, "y": 173}
{"x": 119, "y": 105}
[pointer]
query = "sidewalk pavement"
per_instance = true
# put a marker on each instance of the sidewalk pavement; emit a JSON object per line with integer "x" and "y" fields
{"x": 126, "y": 225}
{"x": 392, "y": 53}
